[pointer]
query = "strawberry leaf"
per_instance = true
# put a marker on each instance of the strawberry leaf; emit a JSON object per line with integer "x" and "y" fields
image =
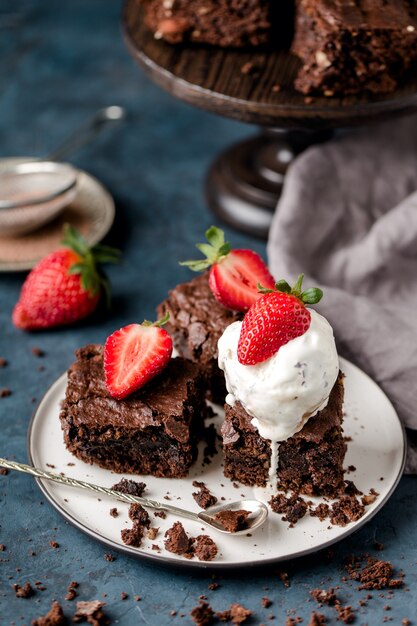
{"x": 283, "y": 286}
{"x": 196, "y": 266}
{"x": 311, "y": 296}
{"x": 215, "y": 236}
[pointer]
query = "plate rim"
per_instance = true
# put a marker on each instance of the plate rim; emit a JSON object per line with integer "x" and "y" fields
{"x": 213, "y": 565}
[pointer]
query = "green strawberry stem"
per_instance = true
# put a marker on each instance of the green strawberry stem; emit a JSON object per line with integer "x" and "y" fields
{"x": 92, "y": 279}
{"x": 215, "y": 250}
{"x": 313, "y": 295}
{"x": 158, "y": 323}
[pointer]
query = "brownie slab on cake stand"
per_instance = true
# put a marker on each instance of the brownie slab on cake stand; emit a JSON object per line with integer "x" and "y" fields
{"x": 255, "y": 86}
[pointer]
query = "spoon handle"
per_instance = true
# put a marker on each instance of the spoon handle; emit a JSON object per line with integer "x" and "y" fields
{"x": 86, "y": 132}
{"x": 73, "y": 482}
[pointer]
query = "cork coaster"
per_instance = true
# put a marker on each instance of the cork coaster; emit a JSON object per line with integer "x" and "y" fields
{"x": 91, "y": 212}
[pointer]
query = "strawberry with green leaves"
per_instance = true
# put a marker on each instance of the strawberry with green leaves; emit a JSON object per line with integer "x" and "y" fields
{"x": 234, "y": 274}
{"x": 134, "y": 354}
{"x": 276, "y": 318}
{"x": 65, "y": 286}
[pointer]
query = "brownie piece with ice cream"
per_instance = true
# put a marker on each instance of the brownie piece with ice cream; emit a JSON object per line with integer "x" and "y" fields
{"x": 283, "y": 416}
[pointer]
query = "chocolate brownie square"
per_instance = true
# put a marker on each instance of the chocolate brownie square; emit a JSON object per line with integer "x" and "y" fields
{"x": 310, "y": 462}
{"x": 195, "y": 324}
{"x": 218, "y": 22}
{"x": 153, "y": 431}
{"x": 351, "y": 46}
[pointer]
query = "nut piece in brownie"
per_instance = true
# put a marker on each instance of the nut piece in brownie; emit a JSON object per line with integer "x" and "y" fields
{"x": 216, "y": 22}
{"x": 196, "y": 322}
{"x": 310, "y": 462}
{"x": 351, "y": 46}
{"x": 153, "y": 431}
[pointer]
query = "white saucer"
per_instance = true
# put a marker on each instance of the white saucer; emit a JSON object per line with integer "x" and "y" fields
{"x": 377, "y": 450}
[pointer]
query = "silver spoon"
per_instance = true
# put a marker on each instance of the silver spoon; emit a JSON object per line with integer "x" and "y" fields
{"x": 86, "y": 132}
{"x": 258, "y": 510}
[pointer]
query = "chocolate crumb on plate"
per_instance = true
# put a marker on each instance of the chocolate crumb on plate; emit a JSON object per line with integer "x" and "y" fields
{"x": 203, "y": 497}
{"x": 294, "y": 508}
{"x": 160, "y": 514}
{"x": 321, "y": 511}
{"x": 347, "y": 509}
{"x": 132, "y": 487}
{"x": 152, "y": 532}
{"x": 91, "y": 612}
{"x": 205, "y": 549}
{"x": 177, "y": 540}
{"x": 114, "y": 512}
{"x": 232, "y": 520}
{"x": 237, "y": 614}
{"x": 26, "y": 591}
{"x": 54, "y": 617}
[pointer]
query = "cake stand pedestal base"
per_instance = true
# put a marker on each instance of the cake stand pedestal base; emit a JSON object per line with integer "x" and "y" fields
{"x": 244, "y": 183}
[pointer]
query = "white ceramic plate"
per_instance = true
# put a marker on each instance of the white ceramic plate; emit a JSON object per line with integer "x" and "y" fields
{"x": 377, "y": 450}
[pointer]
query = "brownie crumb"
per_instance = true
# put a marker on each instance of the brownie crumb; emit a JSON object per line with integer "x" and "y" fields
{"x": 369, "y": 499}
{"x": 317, "y": 619}
{"x": 114, "y": 512}
{"x": 26, "y": 591}
{"x": 160, "y": 514}
{"x": 37, "y": 352}
{"x": 321, "y": 511}
{"x": 205, "y": 549}
{"x": 177, "y": 540}
{"x": 91, "y": 612}
{"x": 2, "y": 547}
{"x": 237, "y": 614}
{"x": 284, "y": 578}
{"x": 203, "y": 497}
{"x": 3, "y": 471}
{"x": 405, "y": 622}
{"x": 71, "y": 593}
{"x": 131, "y": 487}
{"x": 202, "y": 615}
{"x": 266, "y": 602}
{"x": 54, "y": 617}
{"x": 109, "y": 557}
{"x": 152, "y": 532}
{"x": 123, "y": 595}
{"x": 133, "y": 536}
{"x": 5, "y": 392}
{"x": 347, "y": 509}
{"x": 3, "y": 362}
{"x": 345, "y": 614}
{"x": 294, "y": 508}
{"x": 248, "y": 68}
{"x": 232, "y": 520}
{"x": 139, "y": 515}
{"x": 213, "y": 586}
{"x": 376, "y": 574}
{"x": 54, "y": 544}
{"x": 324, "y": 597}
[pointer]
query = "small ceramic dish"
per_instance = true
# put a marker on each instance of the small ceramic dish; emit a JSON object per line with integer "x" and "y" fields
{"x": 34, "y": 193}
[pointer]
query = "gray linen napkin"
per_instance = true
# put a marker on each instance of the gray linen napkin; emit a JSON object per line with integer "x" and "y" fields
{"x": 347, "y": 218}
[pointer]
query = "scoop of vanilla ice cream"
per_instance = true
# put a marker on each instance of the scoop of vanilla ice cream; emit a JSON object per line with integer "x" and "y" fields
{"x": 284, "y": 391}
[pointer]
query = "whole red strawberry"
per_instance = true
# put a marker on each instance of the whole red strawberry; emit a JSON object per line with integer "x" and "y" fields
{"x": 234, "y": 274}
{"x": 135, "y": 354}
{"x": 65, "y": 286}
{"x": 277, "y": 317}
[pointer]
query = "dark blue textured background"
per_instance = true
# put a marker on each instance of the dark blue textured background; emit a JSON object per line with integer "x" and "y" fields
{"x": 59, "y": 62}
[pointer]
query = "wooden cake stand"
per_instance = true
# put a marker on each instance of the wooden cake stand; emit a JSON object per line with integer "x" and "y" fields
{"x": 255, "y": 86}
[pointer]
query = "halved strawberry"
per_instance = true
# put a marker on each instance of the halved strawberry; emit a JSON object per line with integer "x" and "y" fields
{"x": 234, "y": 274}
{"x": 277, "y": 317}
{"x": 135, "y": 354}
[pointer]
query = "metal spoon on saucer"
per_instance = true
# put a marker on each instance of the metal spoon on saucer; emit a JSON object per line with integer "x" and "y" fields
{"x": 258, "y": 510}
